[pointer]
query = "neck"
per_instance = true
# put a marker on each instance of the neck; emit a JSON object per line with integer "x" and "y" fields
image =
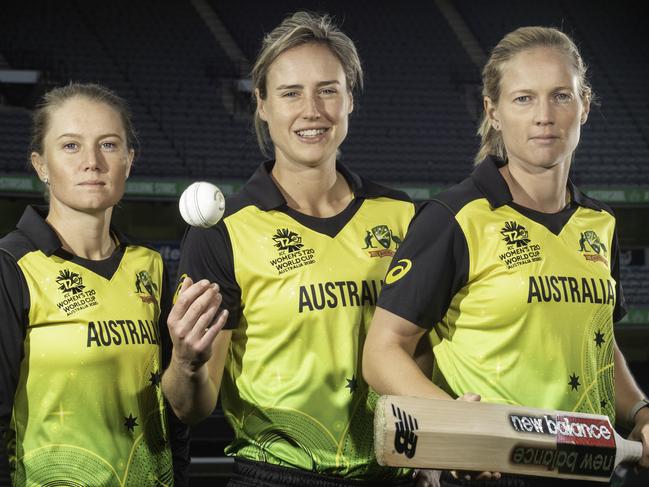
{"x": 540, "y": 189}
{"x": 316, "y": 191}
{"x": 86, "y": 235}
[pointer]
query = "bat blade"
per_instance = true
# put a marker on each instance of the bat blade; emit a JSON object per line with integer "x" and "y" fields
{"x": 462, "y": 435}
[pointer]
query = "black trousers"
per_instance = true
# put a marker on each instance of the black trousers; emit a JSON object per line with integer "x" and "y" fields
{"x": 247, "y": 473}
{"x": 517, "y": 481}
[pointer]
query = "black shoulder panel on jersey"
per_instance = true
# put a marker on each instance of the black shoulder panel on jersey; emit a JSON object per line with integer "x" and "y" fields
{"x": 17, "y": 244}
{"x": 375, "y": 190}
{"x": 239, "y": 200}
{"x": 206, "y": 253}
{"x": 599, "y": 204}
{"x": 436, "y": 249}
{"x": 458, "y": 196}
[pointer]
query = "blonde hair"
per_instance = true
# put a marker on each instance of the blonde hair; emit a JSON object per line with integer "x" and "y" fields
{"x": 56, "y": 97}
{"x": 513, "y": 43}
{"x": 295, "y": 30}
{"x": 94, "y": 92}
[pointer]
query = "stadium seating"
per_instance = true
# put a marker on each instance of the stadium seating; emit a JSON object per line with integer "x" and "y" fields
{"x": 635, "y": 283}
{"x": 415, "y": 122}
{"x": 614, "y": 147}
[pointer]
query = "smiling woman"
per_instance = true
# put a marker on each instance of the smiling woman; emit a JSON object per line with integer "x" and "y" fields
{"x": 81, "y": 345}
{"x": 299, "y": 256}
{"x": 307, "y": 106}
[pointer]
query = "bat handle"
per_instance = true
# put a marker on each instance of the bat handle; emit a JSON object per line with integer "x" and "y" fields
{"x": 628, "y": 451}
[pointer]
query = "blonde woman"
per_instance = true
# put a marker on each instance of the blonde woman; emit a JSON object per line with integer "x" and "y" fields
{"x": 514, "y": 271}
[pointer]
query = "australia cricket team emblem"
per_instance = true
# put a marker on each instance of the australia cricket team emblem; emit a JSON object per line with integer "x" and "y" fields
{"x": 592, "y": 248}
{"x": 381, "y": 241}
{"x": 145, "y": 287}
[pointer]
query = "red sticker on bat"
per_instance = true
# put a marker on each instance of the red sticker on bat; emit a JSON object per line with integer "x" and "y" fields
{"x": 576, "y": 430}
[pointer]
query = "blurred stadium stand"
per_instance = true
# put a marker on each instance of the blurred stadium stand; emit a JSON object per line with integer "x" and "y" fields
{"x": 414, "y": 125}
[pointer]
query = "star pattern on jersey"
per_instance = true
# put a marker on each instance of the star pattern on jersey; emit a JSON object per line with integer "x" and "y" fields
{"x": 599, "y": 338}
{"x": 602, "y": 403}
{"x": 574, "y": 382}
{"x": 155, "y": 378}
{"x": 131, "y": 422}
{"x": 352, "y": 384}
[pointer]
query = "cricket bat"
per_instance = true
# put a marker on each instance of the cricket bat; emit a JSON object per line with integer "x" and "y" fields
{"x": 462, "y": 435}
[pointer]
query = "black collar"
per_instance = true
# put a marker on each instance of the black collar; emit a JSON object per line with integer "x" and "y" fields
{"x": 491, "y": 183}
{"x": 265, "y": 194}
{"x": 32, "y": 223}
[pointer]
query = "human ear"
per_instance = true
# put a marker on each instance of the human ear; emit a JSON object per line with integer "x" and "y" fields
{"x": 492, "y": 112}
{"x": 38, "y": 163}
{"x": 261, "y": 107}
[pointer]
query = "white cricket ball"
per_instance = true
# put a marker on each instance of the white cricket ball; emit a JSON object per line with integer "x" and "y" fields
{"x": 202, "y": 204}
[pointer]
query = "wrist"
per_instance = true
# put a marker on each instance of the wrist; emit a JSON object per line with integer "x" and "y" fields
{"x": 641, "y": 405}
{"x": 187, "y": 368}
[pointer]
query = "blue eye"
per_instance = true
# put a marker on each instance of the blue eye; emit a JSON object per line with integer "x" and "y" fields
{"x": 563, "y": 97}
{"x": 109, "y": 146}
{"x": 523, "y": 99}
{"x": 70, "y": 146}
{"x": 290, "y": 94}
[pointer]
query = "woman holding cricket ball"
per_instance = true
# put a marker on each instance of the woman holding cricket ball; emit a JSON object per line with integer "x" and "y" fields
{"x": 299, "y": 258}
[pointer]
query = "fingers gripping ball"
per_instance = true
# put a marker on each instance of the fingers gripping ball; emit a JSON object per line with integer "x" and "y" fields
{"x": 202, "y": 204}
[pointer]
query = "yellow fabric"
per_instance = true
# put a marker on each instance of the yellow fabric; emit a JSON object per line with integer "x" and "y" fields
{"x": 88, "y": 409}
{"x": 293, "y": 389}
{"x": 533, "y": 325}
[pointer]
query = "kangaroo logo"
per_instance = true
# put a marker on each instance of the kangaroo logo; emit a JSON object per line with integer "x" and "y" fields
{"x": 145, "y": 287}
{"x": 591, "y": 239}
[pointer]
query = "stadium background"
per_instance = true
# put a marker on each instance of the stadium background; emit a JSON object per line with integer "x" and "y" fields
{"x": 183, "y": 66}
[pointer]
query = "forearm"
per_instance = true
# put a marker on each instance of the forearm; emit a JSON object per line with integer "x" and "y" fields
{"x": 393, "y": 370}
{"x": 627, "y": 392}
{"x": 392, "y": 358}
{"x": 191, "y": 394}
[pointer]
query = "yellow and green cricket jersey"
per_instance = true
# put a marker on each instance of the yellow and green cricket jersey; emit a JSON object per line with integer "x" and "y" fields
{"x": 521, "y": 304}
{"x": 301, "y": 292}
{"x": 82, "y": 387}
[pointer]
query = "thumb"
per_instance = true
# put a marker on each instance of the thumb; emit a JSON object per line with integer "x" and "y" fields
{"x": 469, "y": 396}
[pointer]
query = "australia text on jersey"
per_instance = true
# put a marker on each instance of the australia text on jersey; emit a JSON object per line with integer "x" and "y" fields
{"x": 333, "y": 294}
{"x": 122, "y": 332}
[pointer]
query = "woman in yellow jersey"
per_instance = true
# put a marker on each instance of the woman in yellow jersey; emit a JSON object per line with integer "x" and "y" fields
{"x": 299, "y": 256}
{"x": 81, "y": 349}
{"x": 514, "y": 270}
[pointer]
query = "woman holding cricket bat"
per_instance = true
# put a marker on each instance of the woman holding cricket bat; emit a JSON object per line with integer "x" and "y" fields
{"x": 514, "y": 271}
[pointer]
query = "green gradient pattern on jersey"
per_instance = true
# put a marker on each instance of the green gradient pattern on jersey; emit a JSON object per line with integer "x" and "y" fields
{"x": 533, "y": 325}
{"x": 293, "y": 389}
{"x": 88, "y": 409}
